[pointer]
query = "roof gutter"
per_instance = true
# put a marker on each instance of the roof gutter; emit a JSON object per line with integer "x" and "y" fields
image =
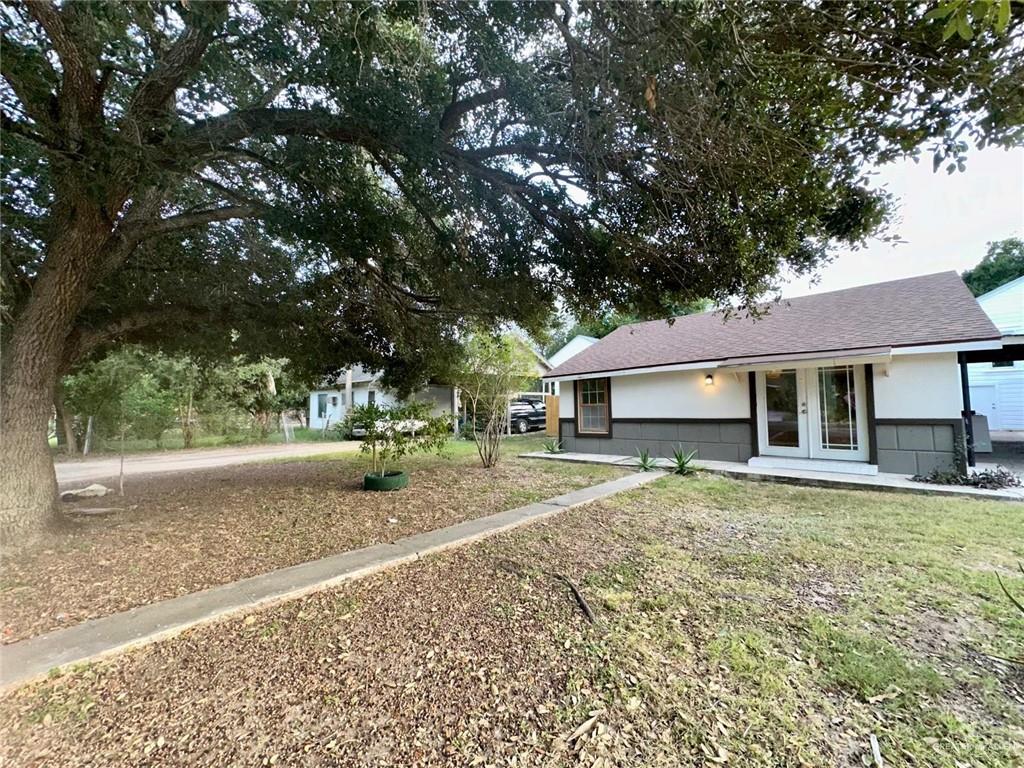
{"x": 880, "y": 355}
{"x": 795, "y": 360}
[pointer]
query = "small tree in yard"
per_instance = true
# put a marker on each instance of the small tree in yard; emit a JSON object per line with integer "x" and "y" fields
{"x": 395, "y": 432}
{"x": 493, "y": 370}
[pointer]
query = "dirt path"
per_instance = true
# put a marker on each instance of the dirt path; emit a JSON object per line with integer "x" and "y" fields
{"x": 93, "y": 470}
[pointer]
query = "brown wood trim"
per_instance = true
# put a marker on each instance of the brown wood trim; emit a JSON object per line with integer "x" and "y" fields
{"x": 576, "y": 392}
{"x": 869, "y": 396}
{"x": 755, "y": 443}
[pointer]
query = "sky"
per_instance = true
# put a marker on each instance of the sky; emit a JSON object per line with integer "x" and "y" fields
{"x": 943, "y": 220}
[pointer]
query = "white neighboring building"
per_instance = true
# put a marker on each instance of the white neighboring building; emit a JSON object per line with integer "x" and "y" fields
{"x": 573, "y": 347}
{"x": 997, "y": 389}
{"x": 358, "y": 386}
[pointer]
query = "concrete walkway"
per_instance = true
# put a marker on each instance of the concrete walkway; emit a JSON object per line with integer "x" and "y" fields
{"x": 29, "y": 659}
{"x": 107, "y": 466}
{"x": 883, "y": 481}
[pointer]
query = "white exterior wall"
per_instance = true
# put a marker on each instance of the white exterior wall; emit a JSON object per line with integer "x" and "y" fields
{"x": 574, "y": 346}
{"x": 908, "y": 387}
{"x": 440, "y": 399}
{"x": 1004, "y": 403}
{"x": 566, "y": 400}
{"x": 671, "y": 395}
{"x": 681, "y": 395}
{"x": 335, "y": 413}
{"x": 1006, "y": 395}
{"x": 919, "y": 387}
{"x": 1005, "y": 307}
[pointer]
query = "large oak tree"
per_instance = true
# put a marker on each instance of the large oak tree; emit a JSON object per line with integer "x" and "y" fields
{"x": 359, "y": 179}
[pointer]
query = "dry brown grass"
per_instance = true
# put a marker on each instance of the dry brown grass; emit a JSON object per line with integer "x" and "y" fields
{"x": 183, "y": 533}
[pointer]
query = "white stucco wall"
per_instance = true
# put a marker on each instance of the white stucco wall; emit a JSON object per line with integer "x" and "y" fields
{"x": 671, "y": 395}
{"x": 677, "y": 394}
{"x": 681, "y": 395}
{"x": 566, "y": 400}
{"x": 918, "y": 387}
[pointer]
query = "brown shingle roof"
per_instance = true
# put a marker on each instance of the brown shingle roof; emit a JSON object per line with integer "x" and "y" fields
{"x": 931, "y": 309}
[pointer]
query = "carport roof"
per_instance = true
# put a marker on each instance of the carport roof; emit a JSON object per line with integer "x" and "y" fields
{"x": 916, "y": 311}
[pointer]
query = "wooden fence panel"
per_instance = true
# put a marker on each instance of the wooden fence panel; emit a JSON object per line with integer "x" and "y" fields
{"x": 551, "y": 415}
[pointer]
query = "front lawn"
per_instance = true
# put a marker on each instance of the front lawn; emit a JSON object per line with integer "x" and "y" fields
{"x": 738, "y": 624}
{"x": 184, "y": 532}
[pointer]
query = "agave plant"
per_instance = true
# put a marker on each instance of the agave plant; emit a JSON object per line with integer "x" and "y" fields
{"x": 682, "y": 462}
{"x": 552, "y": 446}
{"x": 645, "y": 461}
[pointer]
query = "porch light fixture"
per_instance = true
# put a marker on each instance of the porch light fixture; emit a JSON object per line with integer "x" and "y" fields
{"x": 709, "y": 380}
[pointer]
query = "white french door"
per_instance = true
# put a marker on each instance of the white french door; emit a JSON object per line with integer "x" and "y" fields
{"x": 815, "y": 413}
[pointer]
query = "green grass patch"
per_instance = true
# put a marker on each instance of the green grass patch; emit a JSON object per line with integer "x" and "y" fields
{"x": 865, "y": 665}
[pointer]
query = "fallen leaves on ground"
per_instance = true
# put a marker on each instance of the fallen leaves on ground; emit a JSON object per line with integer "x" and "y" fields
{"x": 186, "y": 532}
{"x": 712, "y": 649}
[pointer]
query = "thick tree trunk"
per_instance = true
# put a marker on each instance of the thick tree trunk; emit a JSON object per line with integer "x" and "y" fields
{"x": 66, "y": 436}
{"x": 28, "y": 483}
{"x": 31, "y": 365}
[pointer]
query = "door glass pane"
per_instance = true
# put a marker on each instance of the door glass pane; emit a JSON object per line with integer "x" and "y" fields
{"x": 838, "y": 404}
{"x": 782, "y": 405}
{"x": 321, "y": 406}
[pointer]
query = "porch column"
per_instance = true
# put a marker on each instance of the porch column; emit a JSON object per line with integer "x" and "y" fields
{"x": 348, "y": 389}
{"x": 967, "y": 414}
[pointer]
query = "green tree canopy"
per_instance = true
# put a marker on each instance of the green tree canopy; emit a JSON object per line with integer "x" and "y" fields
{"x": 1003, "y": 262}
{"x": 353, "y": 181}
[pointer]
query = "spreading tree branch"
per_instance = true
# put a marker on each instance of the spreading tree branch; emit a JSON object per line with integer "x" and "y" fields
{"x": 32, "y": 79}
{"x": 196, "y": 219}
{"x": 80, "y": 86}
{"x": 153, "y": 95}
{"x": 454, "y": 112}
{"x": 212, "y": 134}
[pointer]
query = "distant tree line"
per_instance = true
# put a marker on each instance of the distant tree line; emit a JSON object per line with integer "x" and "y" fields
{"x": 149, "y": 395}
{"x": 1003, "y": 262}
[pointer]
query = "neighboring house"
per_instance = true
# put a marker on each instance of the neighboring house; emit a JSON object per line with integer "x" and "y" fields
{"x": 860, "y": 380}
{"x": 573, "y": 347}
{"x": 997, "y": 387}
{"x": 541, "y": 366}
{"x": 359, "y": 386}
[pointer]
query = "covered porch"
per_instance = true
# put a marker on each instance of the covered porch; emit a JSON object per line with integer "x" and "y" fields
{"x": 980, "y": 442}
